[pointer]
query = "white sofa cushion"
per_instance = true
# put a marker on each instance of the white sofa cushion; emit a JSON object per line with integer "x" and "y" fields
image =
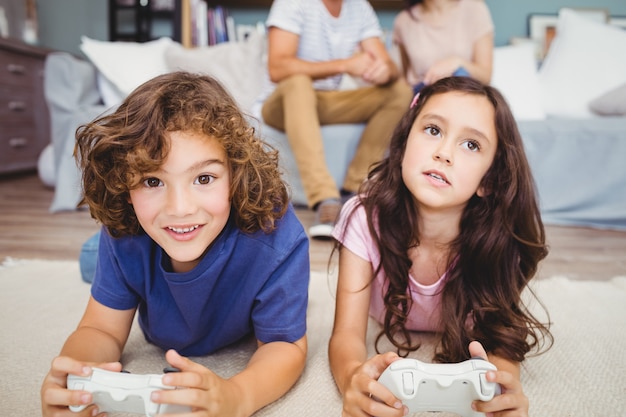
{"x": 515, "y": 76}
{"x": 612, "y": 103}
{"x": 585, "y": 60}
{"x": 238, "y": 66}
{"x": 127, "y": 64}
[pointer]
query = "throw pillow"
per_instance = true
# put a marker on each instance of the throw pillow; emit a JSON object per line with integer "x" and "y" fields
{"x": 612, "y": 103}
{"x": 585, "y": 59}
{"x": 238, "y": 66}
{"x": 127, "y": 64}
{"x": 515, "y": 76}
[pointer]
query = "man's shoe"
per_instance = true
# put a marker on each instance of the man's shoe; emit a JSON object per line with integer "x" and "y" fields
{"x": 326, "y": 215}
{"x": 346, "y": 195}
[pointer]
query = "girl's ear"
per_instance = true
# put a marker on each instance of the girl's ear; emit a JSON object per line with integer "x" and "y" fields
{"x": 483, "y": 191}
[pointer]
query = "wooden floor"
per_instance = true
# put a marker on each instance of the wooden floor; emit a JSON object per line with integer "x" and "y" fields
{"x": 29, "y": 231}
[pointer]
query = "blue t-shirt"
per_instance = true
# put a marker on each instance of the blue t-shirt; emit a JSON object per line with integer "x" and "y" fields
{"x": 245, "y": 284}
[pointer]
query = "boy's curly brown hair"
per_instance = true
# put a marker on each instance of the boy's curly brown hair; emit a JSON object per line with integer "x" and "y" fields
{"x": 113, "y": 149}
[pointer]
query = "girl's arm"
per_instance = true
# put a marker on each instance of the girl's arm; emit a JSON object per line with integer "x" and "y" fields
{"x": 355, "y": 375}
{"x": 512, "y": 399}
{"x": 271, "y": 372}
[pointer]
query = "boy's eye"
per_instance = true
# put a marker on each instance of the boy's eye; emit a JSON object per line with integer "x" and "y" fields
{"x": 152, "y": 182}
{"x": 204, "y": 179}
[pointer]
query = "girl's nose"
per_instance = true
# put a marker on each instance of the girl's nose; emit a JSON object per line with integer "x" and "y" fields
{"x": 443, "y": 153}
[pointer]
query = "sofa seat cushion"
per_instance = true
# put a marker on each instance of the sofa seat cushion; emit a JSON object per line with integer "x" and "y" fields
{"x": 340, "y": 143}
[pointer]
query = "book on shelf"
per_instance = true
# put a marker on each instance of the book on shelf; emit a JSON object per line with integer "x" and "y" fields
{"x": 202, "y": 25}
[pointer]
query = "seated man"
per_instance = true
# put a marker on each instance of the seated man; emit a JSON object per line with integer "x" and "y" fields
{"x": 312, "y": 44}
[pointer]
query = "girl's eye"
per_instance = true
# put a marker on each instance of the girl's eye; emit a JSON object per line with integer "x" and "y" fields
{"x": 204, "y": 179}
{"x": 152, "y": 182}
{"x": 472, "y": 145}
{"x": 432, "y": 130}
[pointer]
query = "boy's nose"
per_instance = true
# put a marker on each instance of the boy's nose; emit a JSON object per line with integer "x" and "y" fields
{"x": 179, "y": 202}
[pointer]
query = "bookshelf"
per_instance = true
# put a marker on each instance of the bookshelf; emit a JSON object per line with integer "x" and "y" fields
{"x": 183, "y": 13}
{"x": 263, "y": 4}
{"x": 133, "y": 20}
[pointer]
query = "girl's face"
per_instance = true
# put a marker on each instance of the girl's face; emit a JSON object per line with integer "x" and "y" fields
{"x": 185, "y": 204}
{"x": 450, "y": 147}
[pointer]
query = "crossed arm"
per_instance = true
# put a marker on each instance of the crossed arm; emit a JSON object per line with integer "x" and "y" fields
{"x": 372, "y": 63}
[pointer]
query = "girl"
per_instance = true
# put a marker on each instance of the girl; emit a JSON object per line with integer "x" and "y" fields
{"x": 443, "y": 237}
{"x": 199, "y": 239}
{"x": 440, "y": 38}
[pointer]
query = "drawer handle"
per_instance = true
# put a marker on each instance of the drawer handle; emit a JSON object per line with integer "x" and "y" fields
{"x": 17, "y": 69}
{"x": 17, "y": 106}
{"x": 18, "y": 142}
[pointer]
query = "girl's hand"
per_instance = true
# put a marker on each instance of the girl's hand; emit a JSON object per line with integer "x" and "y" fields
{"x": 512, "y": 402}
{"x": 204, "y": 390}
{"x": 56, "y": 398}
{"x": 364, "y": 396}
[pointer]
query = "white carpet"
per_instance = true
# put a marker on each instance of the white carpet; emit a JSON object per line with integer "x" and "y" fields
{"x": 582, "y": 376}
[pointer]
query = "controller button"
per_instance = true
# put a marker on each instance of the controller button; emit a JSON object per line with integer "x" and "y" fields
{"x": 408, "y": 385}
{"x": 484, "y": 385}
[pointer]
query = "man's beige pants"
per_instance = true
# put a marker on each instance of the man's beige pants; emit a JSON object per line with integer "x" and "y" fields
{"x": 297, "y": 109}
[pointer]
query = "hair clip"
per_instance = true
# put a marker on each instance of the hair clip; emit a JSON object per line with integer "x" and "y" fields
{"x": 414, "y": 102}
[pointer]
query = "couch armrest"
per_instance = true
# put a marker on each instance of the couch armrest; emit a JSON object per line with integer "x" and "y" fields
{"x": 72, "y": 96}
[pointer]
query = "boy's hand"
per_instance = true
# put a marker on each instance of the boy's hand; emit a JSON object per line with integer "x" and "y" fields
{"x": 364, "y": 395}
{"x": 56, "y": 398}
{"x": 512, "y": 402}
{"x": 204, "y": 390}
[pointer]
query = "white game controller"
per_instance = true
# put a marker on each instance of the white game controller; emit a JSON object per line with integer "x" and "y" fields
{"x": 123, "y": 392}
{"x": 449, "y": 387}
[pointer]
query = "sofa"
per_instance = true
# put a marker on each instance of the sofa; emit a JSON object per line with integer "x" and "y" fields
{"x": 571, "y": 111}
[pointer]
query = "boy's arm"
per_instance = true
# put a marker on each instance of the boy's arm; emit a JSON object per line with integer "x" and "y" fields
{"x": 98, "y": 341}
{"x": 270, "y": 373}
{"x": 100, "y": 335}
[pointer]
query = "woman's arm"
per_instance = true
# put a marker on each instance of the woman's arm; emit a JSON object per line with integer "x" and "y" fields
{"x": 479, "y": 68}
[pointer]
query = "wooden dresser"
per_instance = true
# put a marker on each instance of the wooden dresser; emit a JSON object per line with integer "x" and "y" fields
{"x": 24, "y": 118}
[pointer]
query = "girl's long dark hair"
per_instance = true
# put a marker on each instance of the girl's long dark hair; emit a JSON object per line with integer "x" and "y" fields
{"x": 496, "y": 253}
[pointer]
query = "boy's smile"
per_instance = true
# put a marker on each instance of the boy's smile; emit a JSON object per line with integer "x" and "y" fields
{"x": 185, "y": 204}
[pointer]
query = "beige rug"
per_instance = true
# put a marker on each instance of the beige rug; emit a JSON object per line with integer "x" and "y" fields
{"x": 583, "y": 375}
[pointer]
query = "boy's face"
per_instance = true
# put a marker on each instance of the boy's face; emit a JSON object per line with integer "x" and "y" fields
{"x": 450, "y": 148}
{"x": 185, "y": 204}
